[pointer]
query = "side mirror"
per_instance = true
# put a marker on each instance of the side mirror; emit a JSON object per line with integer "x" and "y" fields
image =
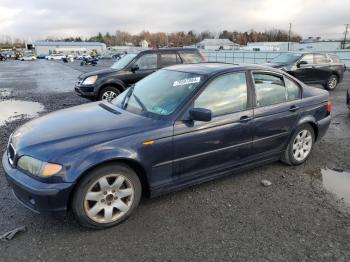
{"x": 134, "y": 68}
{"x": 200, "y": 114}
{"x": 301, "y": 63}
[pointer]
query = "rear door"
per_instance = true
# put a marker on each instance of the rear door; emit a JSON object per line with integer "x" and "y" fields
{"x": 203, "y": 147}
{"x": 278, "y": 100}
{"x": 322, "y": 67}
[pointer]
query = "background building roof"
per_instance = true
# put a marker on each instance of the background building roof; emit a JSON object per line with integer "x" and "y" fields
{"x": 43, "y": 43}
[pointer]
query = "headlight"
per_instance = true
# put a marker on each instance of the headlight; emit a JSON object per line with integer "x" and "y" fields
{"x": 37, "y": 167}
{"x": 90, "y": 80}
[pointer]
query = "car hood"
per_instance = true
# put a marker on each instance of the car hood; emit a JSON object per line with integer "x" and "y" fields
{"x": 101, "y": 72}
{"x": 77, "y": 127}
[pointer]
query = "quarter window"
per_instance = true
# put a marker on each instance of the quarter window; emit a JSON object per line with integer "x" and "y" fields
{"x": 225, "y": 94}
{"x": 191, "y": 57}
{"x": 269, "y": 89}
{"x": 146, "y": 62}
{"x": 293, "y": 90}
{"x": 170, "y": 59}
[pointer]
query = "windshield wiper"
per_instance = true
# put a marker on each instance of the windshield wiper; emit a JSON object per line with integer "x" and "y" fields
{"x": 127, "y": 97}
{"x": 144, "y": 109}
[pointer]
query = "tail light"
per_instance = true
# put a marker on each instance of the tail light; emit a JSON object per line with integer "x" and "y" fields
{"x": 329, "y": 105}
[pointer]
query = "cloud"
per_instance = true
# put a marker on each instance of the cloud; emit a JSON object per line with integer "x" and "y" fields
{"x": 42, "y": 18}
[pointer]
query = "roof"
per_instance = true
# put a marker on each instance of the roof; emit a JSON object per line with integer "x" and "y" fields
{"x": 216, "y": 42}
{"x": 215, "y": 68}
{"x": 171, "y": 49}
{"x": 44, "y": 43}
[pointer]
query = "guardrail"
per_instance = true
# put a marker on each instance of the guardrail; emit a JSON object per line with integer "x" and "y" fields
{"x": 260, "y": 57}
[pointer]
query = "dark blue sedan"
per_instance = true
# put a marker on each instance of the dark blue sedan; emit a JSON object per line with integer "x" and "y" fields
{"x": 180, "y": 126}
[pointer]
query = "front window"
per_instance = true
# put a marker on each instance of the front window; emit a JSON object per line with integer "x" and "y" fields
{"x": 147, "y": 62}
{"x": 159, "y": 94}
{"x": 309, "y": 59}
{"x": 286, "y": 58}
{"x": 122, "y": 63}
{"x": 224, "y": 95}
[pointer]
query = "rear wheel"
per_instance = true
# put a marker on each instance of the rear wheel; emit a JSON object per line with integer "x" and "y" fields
{"x": 331, "y": 83}
{"x": 109, "y": 93}
{"x": 106, "y": 196}
{"x": 300, "y": 146}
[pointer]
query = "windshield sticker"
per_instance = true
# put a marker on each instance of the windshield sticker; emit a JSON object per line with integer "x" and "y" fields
{"x": 187, "y": 81}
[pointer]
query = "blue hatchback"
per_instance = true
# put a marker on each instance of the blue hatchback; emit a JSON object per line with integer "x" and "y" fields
{"x": 180, "y": 126}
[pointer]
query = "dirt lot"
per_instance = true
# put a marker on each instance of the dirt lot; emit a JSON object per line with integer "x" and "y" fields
{"x": 230, "y": 219}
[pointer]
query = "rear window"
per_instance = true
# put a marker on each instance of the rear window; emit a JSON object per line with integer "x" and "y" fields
{"x": 191, "y": 57}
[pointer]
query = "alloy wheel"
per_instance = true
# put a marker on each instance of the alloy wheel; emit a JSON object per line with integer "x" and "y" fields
{"x": 109, "y": 198}
{"x": 109, "y": 95}
{"x": 332, "y": 82}
{"x": 302, "y": 145}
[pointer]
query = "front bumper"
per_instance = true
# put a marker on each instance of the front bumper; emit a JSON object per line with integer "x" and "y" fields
{"x": 34, "y": 194}
{"x": 86, "y": 91}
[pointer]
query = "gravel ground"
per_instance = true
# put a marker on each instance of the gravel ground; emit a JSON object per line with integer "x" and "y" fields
{"x": 229, "y": 219}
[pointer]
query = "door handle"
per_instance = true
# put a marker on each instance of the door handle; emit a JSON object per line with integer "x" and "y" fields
{"x": 245, "y": 119}
{"x": 293, "y": 108}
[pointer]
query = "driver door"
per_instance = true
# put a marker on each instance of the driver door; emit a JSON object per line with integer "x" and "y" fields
{"x": 201, "y": 148}
{"x": 147, "y": 64}
{"x": 306, "y": 72}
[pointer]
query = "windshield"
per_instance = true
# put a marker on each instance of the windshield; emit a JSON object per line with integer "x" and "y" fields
{"x": 120, "y": 64}
{"x": 286, "y": 58}
{"x": 161, "y": 93}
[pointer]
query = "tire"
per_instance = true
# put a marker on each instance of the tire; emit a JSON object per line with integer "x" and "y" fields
{"x": 299, "y": 147}
{"x": 108, "y": 93}
{"x": 331, "y": 83}
{"x": 82, "y": 63}
{"x": 97, "y": 206}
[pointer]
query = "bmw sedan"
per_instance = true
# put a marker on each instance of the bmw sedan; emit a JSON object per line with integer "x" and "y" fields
{"x": 180, "y": 126}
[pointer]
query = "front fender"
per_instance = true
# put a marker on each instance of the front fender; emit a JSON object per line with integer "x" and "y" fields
{"x": 93, "y": 157}
{"x": 113, "y": 82}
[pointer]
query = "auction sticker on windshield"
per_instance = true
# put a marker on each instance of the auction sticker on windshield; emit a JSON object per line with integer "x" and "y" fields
{"x": 187, "y": 81}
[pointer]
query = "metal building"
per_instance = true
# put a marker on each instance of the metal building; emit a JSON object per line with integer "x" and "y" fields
{"x": 77, "y": 48}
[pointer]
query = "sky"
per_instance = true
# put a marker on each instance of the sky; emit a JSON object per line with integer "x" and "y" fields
{"x": 35, "y": 19}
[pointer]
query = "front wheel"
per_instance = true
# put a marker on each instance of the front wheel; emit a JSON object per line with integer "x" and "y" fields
{"x": 109, "y": 93}
{"x": 106, "y": 196}
{"x": 300, "y": 146}
{"x": 331, "y": 83}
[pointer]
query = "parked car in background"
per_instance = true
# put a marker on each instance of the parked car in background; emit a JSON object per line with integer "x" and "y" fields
{"x": 107, "y": 84}
{"x": 28, "y": 57}
{"x": 312, "y": 68}
{"x": 55, "y": 57}
{"x": 41, "y": 56}
{"x": 82, "y": 57}
{"x": 2, "y": 57}
{"x": 180, "y": 126}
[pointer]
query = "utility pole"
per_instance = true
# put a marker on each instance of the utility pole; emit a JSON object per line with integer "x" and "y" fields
{"x": 290, "y": 29}
{"x": 345, "y": 35}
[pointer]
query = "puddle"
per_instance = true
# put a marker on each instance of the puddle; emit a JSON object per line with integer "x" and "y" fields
{"x": 11, "y": 110}
{"x": 337, "y": 182}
